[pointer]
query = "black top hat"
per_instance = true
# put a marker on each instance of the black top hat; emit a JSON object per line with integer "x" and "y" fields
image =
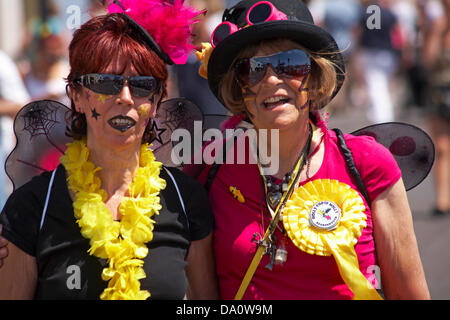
{"x": 298, "y": 27}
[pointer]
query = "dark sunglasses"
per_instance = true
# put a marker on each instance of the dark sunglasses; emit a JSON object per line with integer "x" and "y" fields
{"x": 292, "y": 64}
{"x": 112, "y": 84}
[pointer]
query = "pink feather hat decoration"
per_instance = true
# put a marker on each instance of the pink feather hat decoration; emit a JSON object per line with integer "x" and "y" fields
{"x": 169, "y": 23}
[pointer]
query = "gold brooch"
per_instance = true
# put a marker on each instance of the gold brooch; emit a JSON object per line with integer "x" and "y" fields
{"x": 237, "y": 194}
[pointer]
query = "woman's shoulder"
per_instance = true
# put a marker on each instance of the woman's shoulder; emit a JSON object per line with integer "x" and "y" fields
{"x": 368, "y": 150}
{"x": 375, "y": 163}
{"x": 181, "y": 178}
{"x": 188, "y": 186}
{"x": 21, "y": 215}
{"x": 194, "y": 200}
{"x": 30, "y": 197}
{"x": 363, "y": 146}
{"x": 37, "y": 186}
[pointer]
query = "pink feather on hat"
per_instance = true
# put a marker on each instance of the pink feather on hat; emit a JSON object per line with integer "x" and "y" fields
{"x": 168, "y": 22}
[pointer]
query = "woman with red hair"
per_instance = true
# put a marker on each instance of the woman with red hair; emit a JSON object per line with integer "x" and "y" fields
{"x": 111, "y": 222}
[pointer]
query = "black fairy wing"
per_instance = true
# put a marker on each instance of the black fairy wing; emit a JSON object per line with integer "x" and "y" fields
{"x": 40, "y": 140}
{"x": 411, "y": 147}
{"x": 172, "y": 115}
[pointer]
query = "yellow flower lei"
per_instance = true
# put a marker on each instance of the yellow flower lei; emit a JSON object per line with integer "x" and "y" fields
{"x": 122, "y": 243}
{"x": 340, "y": 240}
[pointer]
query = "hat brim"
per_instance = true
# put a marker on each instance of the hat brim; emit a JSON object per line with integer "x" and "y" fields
{"x": 308, "y": 35}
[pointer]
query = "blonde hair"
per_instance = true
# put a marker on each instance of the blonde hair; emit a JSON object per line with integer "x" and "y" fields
{"x": 321, "y": 84}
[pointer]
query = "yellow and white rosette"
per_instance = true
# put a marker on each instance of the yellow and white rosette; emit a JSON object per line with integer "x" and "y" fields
{"x": 326, "y": 217}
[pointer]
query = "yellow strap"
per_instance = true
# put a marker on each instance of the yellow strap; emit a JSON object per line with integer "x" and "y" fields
{"x": 250, "y": 272}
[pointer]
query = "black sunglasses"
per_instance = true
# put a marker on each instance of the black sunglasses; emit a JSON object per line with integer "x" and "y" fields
{"x": 292, "y": 64}
{"x": 112, "y": 84}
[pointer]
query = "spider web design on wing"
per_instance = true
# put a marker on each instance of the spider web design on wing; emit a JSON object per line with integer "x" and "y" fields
{"x": 39, "y": 120}
{"x": 175, "y": 115}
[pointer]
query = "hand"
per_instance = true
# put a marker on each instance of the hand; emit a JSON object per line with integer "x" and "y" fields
{"x": 3, "y": 247}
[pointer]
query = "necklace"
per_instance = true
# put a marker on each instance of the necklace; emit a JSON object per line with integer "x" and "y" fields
{"x": 275, "y": 191}
{"x": 308, "y": 165}
{"x": 122, "y": 243}
{"x": 273, "y": 194}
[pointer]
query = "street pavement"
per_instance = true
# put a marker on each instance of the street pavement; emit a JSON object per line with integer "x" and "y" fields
{"x": 433, "y": 233}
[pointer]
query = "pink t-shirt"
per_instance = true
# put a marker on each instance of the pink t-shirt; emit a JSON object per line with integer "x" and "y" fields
{"x": 303, "y": 276}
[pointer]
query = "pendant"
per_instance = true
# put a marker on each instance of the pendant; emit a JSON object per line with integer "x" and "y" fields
{"x": 281, "y": 253}
{"x": 274, "y": 198}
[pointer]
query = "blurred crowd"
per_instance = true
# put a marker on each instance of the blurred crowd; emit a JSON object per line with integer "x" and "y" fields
{"x": 397, "y": 53}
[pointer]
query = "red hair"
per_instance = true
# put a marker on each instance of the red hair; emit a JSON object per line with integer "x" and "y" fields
{"x": 99, "y": 42}
{"x": 103, "y": 39}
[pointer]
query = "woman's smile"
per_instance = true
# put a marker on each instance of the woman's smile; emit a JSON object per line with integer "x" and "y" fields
{"x": 121, "y": 123}
{"x": 273, "y": 102}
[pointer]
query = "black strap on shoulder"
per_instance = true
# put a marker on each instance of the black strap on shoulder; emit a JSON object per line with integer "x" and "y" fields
{"x": 214, "y": 169}
{"x": 211, "y": 175}
{"x": 351, "y": 164}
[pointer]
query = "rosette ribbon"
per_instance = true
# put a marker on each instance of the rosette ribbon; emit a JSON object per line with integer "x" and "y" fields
{"x": 340, "y": 239}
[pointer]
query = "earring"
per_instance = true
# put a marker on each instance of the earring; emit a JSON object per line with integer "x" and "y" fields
{"x": 149, "y": 134}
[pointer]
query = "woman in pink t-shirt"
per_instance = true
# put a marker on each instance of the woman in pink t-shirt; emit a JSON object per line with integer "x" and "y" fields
{"x": 270, "y": 63}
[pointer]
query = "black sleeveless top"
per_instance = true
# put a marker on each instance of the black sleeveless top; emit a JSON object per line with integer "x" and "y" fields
{"x": 67, "y": 271}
